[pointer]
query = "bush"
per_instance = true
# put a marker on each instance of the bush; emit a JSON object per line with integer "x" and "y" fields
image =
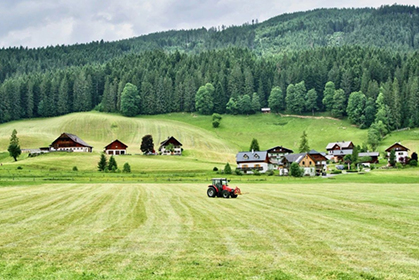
{"x": 238, "y": 172}
{"x": 399, "y": 165}
{"x": 227, "y": 169}
{"x": 336, "y": 171}
{"x": 413, "y": 162}
{"x": 75, "y": 168}
{"x": 215, "y": 123}
{"x": 19, "y": 167}
{"x": 126, "y": 168}
{"x": 270, "y": 172}
{"x": 256, "y": 172}
{"x": 215, "y": 168}
{"x": 295, "y": 170}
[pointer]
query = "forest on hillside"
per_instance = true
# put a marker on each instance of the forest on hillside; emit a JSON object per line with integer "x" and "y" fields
{"x": 355, "y": 63}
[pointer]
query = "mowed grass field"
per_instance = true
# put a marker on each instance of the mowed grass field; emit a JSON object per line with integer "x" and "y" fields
{"x": 174, "y": 231}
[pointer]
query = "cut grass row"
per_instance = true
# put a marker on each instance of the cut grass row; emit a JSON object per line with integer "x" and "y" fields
{"x": 155, "y": 231}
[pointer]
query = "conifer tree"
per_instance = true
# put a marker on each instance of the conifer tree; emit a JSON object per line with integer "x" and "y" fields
{"x": 14, "y": 147}
{"x": 304, "y": 147}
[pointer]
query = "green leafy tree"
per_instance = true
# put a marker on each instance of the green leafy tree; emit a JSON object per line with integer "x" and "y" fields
{"x": 112, "y": 165}
{"x": 231, "y": 106}
{"x": 147, "y": 145}
{"x": 356, "y": 107}
{"x": 295, "y": 170}
{"x": 328, "y": 93}
{"x": 254, "y": 146}
{"x": 102, "y": 163}
{"x": 354, "y": 157}
{"x": 204, "y": 99}
{"x": 227, "y": 169}
{"x": 216, "y": 119}
{"x": 14, "y": 147}
{"x": 244, "y": 104}
{"x": 373, "y": 138}
{"x": 295, "y": 97}
{"x": 126, "y": 168}
{"x": 130, "y": 101}
{"x": 304, "y": 147}
{"x": 276, "y": 100}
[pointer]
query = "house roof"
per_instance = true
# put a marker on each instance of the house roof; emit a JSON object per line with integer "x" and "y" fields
{"x": 369, "y": 154}
{"x": 342, "y": 145}
{"x": 251, "y": 156}
{"x": 123, "y": 146}
{"x": 75, "y": 138}
{"x": 271, "y": 150}
{"x": 295, "y": 157}
{"x": 342, "y": 152}
{"x": 397, "y": 147}
{"x": 169, "y": 140}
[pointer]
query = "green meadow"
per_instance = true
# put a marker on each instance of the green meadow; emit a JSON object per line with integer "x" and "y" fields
{"x": 158, "y": 223}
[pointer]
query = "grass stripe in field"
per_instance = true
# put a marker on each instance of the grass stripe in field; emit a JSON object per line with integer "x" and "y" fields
{"x": 285, "y": 231}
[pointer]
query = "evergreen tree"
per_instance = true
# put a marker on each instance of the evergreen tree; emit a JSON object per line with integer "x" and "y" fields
{"x": 112, "y": 165}
{"x": 295, "y": 170}
{"x": 304, "y": 147}
{"x": 392, "y": 158}
{"x": 14, "y": 147}
{"x": 295, "y": 97}
{"x": 339, "y": 103}
{"x": 227, "y": 169}
{"x": 127, "y": 168}
{"x": 255, "y": 103}
{"x": 244, "y": 104}
{"x": 254, "y": 146}
{"x": 102, "y": 164}
{"x": 311, "y": 101}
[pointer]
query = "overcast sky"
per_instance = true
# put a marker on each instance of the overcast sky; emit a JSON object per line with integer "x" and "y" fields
{"x": 36, "y": 23}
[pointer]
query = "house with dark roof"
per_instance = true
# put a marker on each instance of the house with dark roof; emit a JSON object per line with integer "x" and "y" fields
{"x": 313, "y": 163}
{"x": 116, "y": 147}
{"x": 336, "y": 151}
{"x": 372, "y": 157}
{"x": 170, "y": 146}
{"x": 70, "y": 143}
{"x": 276, "y": 155}
{"x": 401, "y": 152}
{"x": 247, "y": 162}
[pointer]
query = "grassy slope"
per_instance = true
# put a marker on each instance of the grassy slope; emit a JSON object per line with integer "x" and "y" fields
{"x": 135, "y": 231}
{"x": 204, "y": 146}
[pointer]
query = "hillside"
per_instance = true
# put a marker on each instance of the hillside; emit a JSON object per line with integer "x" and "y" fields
{"x": 204, "y": 146}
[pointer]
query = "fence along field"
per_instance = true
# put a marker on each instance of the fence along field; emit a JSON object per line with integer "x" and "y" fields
{"x": 160, "y": 231}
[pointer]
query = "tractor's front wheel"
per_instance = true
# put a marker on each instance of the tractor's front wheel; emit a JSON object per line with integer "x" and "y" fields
{"x": 211, "y": 192}
{"x": 233, "y": 195}
{"x": 226, "y": 194}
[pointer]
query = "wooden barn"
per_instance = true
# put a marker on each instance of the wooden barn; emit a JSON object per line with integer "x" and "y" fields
{"x": 116, "y": 147}
{"x": 171, "y": 146}
{"x": 70, "y": 143}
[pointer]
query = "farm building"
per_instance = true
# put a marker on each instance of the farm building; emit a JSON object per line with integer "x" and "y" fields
{"x": 170, "y": 146}
{"x": 313, "y": 163}
{"x": 249, "y": 161}
{"x": 116, "y": 148}
{"x": 71, "y": 143}
{"x": 401, "y": 151}
{"x": 336, "y": 151}
{"x": 373, "y": 156}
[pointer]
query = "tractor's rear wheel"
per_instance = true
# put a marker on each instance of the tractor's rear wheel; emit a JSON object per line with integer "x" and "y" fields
{"x": 226, "y": 194}
{"x": 211, "y": 192}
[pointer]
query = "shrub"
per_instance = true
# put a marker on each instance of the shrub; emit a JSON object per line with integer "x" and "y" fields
{"x": 227, "y": 169}
{"x": 238, "y": 172}
{"x": 399, "y": 165}
{"x": 256, "y": 172}
{"x": 215, "y": 168}
{"x": 413, "y": 162}
{"x": 270, "y": 172}
{"x": 336, "y": 171}
{"x": 75, "y": 168}
{"x": 295, "y": 170}
{"x": 126, "y": 168}
{"x": 19, "y": 167}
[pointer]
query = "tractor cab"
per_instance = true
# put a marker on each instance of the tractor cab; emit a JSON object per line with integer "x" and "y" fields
{"x": 220, "y": 183}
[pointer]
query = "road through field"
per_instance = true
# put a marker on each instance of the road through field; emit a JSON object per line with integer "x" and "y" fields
{"x": 157, "y": 231}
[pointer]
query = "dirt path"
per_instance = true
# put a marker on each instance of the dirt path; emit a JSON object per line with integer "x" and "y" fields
{"x": 309, "y": 117}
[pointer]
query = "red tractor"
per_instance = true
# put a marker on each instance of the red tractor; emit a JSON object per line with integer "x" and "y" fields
{"x": 220, "y": 188}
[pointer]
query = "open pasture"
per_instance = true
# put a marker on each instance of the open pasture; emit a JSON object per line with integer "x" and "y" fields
{"x": 173, "y": 231}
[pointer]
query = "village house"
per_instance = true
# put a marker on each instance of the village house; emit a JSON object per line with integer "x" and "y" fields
{"x": 313, "y": 163}
{"x": 116, "y": 148}
{"x": 170, "y": 146}
{"x": 336, "y": 151}
{"x": 277, "y": 154}
{"x": 401, "y": 152}
{"x": 70, "y": 143}
{"x": 247, "y": 162}
{"x": 373, "y": 156}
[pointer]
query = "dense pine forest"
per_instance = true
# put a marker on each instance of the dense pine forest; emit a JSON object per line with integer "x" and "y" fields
{"x": 357, "y": 63}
